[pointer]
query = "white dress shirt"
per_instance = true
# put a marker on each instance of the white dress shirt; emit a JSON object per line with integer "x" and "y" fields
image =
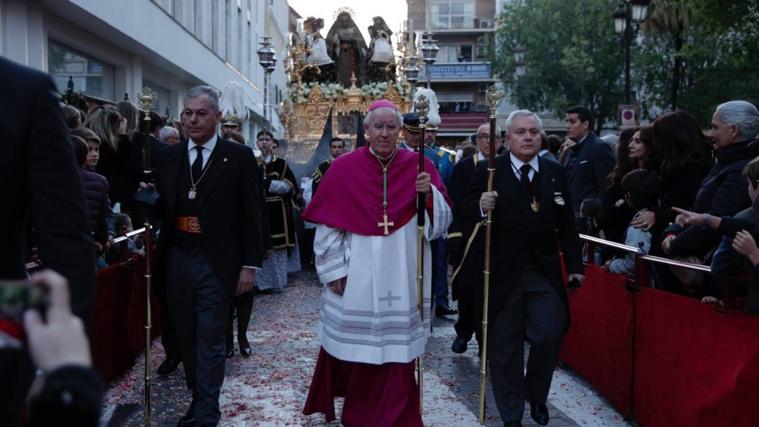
{"x": 516, "y": 166}
{"x": 207, "y": 150}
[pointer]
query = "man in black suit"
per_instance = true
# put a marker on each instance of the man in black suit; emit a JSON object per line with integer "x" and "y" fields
{"x": 40, "y": 189}
{"x": 465, "y": 244}
{"x": 588, "y": 161}
{"x": 41, "y": 186}
{"x": 209, "y": 245}
{"x": 532, "y": 221}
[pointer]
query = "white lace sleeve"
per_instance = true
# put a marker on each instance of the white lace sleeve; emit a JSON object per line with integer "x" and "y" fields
{"x": 441, "y": 214}
{"x": 331, "y": 253}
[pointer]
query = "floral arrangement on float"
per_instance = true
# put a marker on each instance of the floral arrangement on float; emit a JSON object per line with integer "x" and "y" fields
{"x": 336, "y": 91}
{"x": 330, "y": 91}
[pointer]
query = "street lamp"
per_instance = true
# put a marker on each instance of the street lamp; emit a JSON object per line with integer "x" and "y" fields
{"x": 520, "y": 68}
{"x": 429, "y": 56}
{"x": 412, "y": 75}
{"x": 267, "y": 60}
{"x": 269, "y": 69}
{"x": 627, "y": 19}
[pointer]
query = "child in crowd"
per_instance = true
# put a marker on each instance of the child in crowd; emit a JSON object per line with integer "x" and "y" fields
{"x": 96, "y": 195}
{"x": 641, "y": 188}
{"x": 123, "y": 224}
{"x": 93, "y": 146}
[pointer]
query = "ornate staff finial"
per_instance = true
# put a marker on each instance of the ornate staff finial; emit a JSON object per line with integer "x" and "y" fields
{"x": 147, "y": 99}
{"x": 422, "y": 107}
{"x": 494, "y": 97}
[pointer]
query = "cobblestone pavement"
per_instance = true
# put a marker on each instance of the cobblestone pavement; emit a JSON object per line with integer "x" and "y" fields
{"x": 270, "y": 387}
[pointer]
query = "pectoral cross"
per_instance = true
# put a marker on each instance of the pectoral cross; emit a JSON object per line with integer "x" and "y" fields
{"x": 385, "y": 223}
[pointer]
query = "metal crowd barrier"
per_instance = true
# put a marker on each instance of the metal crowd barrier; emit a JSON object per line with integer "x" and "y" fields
{"x": 643, "y": 269}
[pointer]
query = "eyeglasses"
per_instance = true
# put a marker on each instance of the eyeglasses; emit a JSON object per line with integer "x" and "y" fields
{"x": 483, "y": 136}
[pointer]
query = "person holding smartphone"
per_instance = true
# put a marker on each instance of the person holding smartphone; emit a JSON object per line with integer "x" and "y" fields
{"x": 66, "y": 391}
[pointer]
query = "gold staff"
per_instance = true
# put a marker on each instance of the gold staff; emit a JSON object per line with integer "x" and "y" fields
{"x": 494, "y": 97}
{"x": 147, "y": 99}
{"x": 422, "y": 106}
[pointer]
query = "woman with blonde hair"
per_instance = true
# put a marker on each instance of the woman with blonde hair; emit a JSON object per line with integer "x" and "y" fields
{"x": 107, "y": 123}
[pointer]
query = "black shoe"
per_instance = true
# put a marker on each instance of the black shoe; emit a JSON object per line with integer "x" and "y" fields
{"x": 539, "y": 412}
{"x": 441, "y": 311}
{"x": 230, "y": 347}
{"x": 514, "y": 423}
{"x": 168, "y": 366}
{"x": 188, "y": 420}
{"x": 245, "y": 349}
{"x": 459, "y": 345}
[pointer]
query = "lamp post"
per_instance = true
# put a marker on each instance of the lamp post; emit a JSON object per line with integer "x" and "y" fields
{"x": 267, "y": 60}
{"x": 520, "y": 69}
{"x": 627, "y": 19}
{"x": 429, "y": 55}
{"x": 412, "y": 75}
{"x": 269, "y": 69}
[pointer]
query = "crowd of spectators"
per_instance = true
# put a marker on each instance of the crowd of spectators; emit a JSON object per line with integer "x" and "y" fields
{"x": 668, "y": 182}
{"x": 627, "y": 189}
{"x": 109, "y": 149}
{"x": 659, "y": 187}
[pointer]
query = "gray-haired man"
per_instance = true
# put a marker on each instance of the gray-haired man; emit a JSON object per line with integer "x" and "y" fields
{"x": 533, "y": 221}
{"x": 209, "y": 245}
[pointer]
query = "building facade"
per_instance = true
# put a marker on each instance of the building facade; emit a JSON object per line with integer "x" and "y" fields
{"x": 462, "y": 72}
{"x": 110, "y": 49}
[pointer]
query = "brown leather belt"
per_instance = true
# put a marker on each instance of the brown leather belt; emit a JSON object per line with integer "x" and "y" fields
{"x": 188, "y": 224}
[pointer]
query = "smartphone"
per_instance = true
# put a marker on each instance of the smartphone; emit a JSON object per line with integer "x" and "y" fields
{"x": 17, "y": 296}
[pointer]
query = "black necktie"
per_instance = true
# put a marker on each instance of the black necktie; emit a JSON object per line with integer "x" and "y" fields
{"x": 525, "y": 175}
{"x": 197, "y": 165}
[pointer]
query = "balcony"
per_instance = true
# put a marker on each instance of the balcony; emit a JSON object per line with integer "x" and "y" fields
{"x": 443, "y": 24}
{"x": 459, "y": 72}
{"x": 460, "y": 124}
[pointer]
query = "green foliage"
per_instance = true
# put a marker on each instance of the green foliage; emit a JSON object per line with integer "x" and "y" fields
{"x": 572, "y": 55}
{"x": 719, "y": 54}
{"x": 75, "y": 99}
{"x": 691, "y": 54}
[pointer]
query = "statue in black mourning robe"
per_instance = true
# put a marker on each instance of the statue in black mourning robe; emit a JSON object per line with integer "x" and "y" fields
{"x": 348, "y": 49}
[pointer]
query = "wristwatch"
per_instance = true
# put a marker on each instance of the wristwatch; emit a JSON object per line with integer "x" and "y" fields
{"x": 707, "y": 220}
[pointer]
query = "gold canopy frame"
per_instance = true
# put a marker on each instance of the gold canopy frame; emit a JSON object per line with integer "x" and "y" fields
{"x": 304, "y": 121}
{"x": 306, "y": 108}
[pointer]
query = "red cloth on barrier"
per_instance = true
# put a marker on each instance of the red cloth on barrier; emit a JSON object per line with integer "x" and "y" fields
{"x": 598, "y": 344}
{"x": 111, "y": 354}
{"x": 134, "y": 321}
{"x": 118, "y": 326}
{"x": 694, "y": 366}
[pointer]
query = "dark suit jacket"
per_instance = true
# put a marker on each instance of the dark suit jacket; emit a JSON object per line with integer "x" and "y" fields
{"x": 514, "y": 233}
{"x": 721, "y": 193}
{"x": 229, "y": 215}
{"x": 465, "y": 237}
{"x": 40, "y": 186}
{"x": 318, "y": 174}
{"x": 587, "y": 168}
{"x": 461, "y": 228}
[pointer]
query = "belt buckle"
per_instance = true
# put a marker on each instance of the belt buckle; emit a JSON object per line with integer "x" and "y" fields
{"x": 193, "y": 225}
